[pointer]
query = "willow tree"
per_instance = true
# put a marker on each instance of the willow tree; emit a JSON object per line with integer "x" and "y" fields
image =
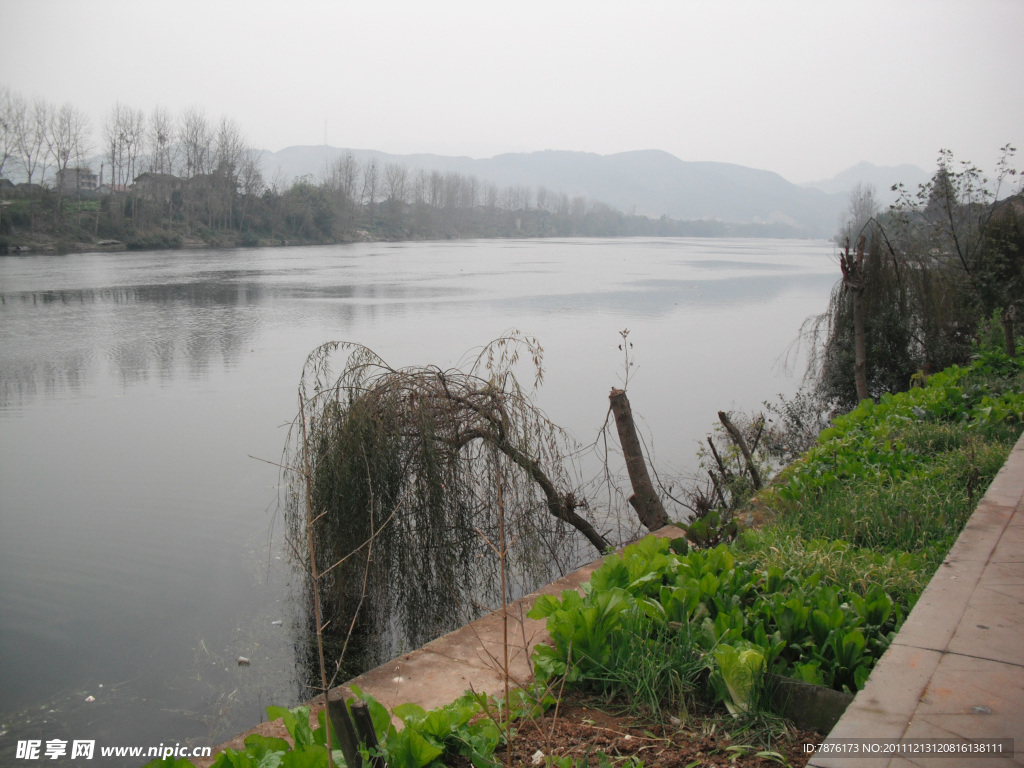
{"x": 407, "y": 470}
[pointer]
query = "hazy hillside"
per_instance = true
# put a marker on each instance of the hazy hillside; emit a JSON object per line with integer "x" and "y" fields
{"x": 648, "y": 182}
{"x": 882, "y": 178}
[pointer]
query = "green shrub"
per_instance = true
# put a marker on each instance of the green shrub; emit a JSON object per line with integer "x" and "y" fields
{"x": 800, "y": 625}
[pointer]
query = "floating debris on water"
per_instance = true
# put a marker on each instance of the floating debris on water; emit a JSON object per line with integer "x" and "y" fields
{"x": 243, "y": 662}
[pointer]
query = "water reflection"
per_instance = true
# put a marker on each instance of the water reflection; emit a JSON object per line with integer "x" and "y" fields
{"x": 59, "y": 338}
{"x": 127, "y": 332}
{"x": 656, "y": 297}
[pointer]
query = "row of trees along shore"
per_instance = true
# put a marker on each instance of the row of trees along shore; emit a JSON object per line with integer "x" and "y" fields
{"x": 167, "y": 179}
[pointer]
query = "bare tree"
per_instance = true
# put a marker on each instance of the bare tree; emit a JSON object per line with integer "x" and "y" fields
{"x": 163, "y": 159}
{"x": 31, "y": 124}
{"x": 124, "y": 135}
{"x": 31, "y": 127}
{"x": 342, "y": 181}
{"x": 7, "y": 142}
{"x": 251, "y": 182}
{"x": 861, "y": 211}
{"x": 542, "y": 198}
{"x": 396, "y": 194}
{"x": 562, "y": 206}
{"x": 68, "y": 143}
{"x": 349, "y": 177}
{"x": 491, "y": 194}
{"x": 163, "y": 142}
{"x": 525, "y": 197}
{"x": 124, "y": 138}
{"x": 420, "y": 187}
{"x": 470, "y": 192}
{"x": 371, "y": 187}
{"x": 196, "y": 139}
{"x": 451, "y": 191}
{"x": 395, "y": 178}
{"x": 436, "y": 192}
{"x": 228, "y": 154}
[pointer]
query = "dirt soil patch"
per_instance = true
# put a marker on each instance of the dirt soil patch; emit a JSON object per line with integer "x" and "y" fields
{"x": 581, "y": 730}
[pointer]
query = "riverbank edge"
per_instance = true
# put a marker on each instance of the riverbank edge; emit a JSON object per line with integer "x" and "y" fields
{"x": 442, "y": 670}
{"x": 53, "y": 246}
{"x": 900, "y": 698}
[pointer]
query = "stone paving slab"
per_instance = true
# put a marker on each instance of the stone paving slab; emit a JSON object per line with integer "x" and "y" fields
{"x": 1010, "y": 548}
{"x": 947, "y": 594}
{"x": 994, "y": 618}
{"x": 428, "y": 679}
{"x": 963, "y": 703}
{"x": 984, "y": 529}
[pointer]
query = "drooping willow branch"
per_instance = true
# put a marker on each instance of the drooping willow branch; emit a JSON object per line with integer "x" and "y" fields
{"x": 562, "y": 506}
{"x": 416, "y": 449}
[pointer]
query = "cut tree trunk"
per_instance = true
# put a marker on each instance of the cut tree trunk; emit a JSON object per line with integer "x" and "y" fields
{"x": 737, "y": 438}
{"x": 860, "y": 370}
{"x": 1009, "y": 336}
{"x": 853, "y": 279}
{"x": 644, "y": 500}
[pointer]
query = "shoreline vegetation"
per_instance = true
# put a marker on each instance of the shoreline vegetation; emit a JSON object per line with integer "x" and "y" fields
{"x": 314, "y": 214}
{"x": 168, "y": 181}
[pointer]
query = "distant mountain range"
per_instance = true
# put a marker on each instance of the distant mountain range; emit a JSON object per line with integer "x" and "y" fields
{"x": 882, "y": 179}
{"x": 648, "y": 182}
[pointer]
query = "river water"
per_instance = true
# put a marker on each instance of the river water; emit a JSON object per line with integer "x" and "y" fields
{"x": 145, "y": 396}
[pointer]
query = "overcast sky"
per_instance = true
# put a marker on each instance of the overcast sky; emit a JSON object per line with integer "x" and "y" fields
{"x": 805, "y": 89}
